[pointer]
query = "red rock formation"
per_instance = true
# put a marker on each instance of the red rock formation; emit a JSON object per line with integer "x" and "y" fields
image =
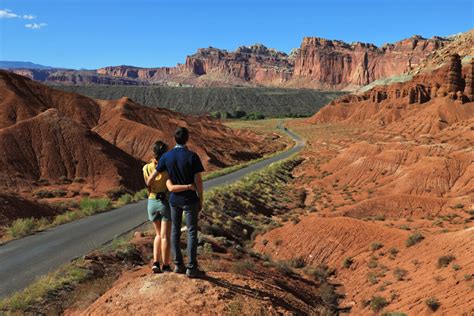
{"x": 318, "y": 63}
{"x": 323, "y": 63}
{"x": 469, "y": 80}
{"x": 423, "y": 105}
{"x": 54, "y": 134}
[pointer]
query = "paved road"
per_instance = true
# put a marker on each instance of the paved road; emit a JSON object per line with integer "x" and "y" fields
{"x": 25, "y": 259}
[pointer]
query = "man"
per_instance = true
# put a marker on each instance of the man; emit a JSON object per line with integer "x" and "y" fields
{"x": 184, "y": 168}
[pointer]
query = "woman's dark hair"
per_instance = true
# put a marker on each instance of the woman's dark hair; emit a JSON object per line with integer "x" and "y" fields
{"x": 181, "y": 135}
{"x": 159, "y": 148}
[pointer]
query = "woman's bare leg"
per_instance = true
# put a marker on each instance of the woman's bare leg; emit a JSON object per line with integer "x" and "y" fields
{"x": 157, "y": 242}
{"x": 165, "y": 242}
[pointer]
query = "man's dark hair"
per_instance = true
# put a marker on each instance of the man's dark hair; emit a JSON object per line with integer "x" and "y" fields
{"x": 159, "y": 148}
{"x": 181, "y": 135}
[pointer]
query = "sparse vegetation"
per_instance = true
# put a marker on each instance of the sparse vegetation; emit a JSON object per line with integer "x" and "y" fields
{"x": 22, "y": 227}
{"x": 456, "y": 267}
{"x": 347, "y": 262}
{"x": 377, "y": 303}
{"x": 49, "y": 283}
{"x": 400, "y": 273}
{"x": 433, "y": 303}
{"x": 376, "y": 246}
{"x": 238, "y": 101}
{"x": 413, "y": 239}
{"x": 298, "y": 262}
{"x": 393, "y": 252}
{"x": 444, "y": 261}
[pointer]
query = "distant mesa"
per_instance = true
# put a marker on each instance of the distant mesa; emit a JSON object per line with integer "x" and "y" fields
{"x": 318, "y": 64}
{"x": 22, "y": 64}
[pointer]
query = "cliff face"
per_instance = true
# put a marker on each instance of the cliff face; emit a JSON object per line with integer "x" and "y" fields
{"x": 318, "y": 63}
{"x": 321, "y": 62}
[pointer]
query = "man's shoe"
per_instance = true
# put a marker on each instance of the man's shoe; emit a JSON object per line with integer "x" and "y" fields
{"x": 180, "y": 268}
{"x": 156, "y": 267}
{"x": 195, "y": 273}
{"x": 166, "y": 268}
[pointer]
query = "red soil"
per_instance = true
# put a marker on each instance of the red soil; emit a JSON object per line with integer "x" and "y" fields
{"x": 331, "y": 240}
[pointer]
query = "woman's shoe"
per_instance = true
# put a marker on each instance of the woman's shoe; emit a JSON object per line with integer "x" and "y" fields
{"x": 166, "y": 268}
{"x": 156, "y": 267}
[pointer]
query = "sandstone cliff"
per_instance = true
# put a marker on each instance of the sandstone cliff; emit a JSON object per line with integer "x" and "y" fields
{"x": 318, "y": 63}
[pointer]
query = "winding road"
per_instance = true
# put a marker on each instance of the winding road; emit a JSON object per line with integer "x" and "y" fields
{"x": 23, "y": 260}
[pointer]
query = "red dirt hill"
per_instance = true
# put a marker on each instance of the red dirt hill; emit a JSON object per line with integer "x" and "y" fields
{"x": 61, "y": 144}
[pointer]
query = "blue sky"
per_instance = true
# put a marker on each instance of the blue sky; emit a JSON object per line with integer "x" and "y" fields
{"x": 96, "y": 33}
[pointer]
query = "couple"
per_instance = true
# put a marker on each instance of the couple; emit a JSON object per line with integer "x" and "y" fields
{"x": 179, "y": 172}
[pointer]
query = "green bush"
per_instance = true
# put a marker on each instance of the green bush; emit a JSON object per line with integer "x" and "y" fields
{"x": 347, "y": 262}
{"x": 400, "y": 273}
{"x": 413, "y": 239}
{"x": 377, "y": 303}
{"x": 125, "y": 199}
{"x": 91, "y": 206}
{"x": 22, "y": 227}
{"x": 433, "y": 303}
{"x": 376, "y": 246}
{"x": 298, "y": 262}
{"x": 140, "y": 195}
{"x": 444, "y": 261}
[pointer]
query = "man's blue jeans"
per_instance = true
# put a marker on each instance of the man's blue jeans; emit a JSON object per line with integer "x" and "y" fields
{"x": 191, "y": 213}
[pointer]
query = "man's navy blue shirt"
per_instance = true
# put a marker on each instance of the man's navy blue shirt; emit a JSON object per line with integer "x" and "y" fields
{"x": 181, "y": 165}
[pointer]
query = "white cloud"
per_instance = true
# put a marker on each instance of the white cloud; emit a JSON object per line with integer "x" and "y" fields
{"x": 35, "y": 26}
{"x": 8, "y": 14}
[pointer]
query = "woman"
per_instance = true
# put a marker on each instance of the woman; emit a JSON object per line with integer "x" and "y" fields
{"x": 159, "y": 210}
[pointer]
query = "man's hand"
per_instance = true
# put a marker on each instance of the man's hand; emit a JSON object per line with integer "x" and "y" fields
{"x": 199, "y": 189}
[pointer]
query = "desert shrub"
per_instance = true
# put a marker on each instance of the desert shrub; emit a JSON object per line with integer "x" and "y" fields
{"x": 241, "y": 266}
{"x": 373, "y": 263}
{"x": 115, "y": 193}
{"x": 297, "y": 262}
{"x": 59, "y": 193}
{"x": 377, "y": 303}
{"x": 376, "y": 246}
{"x": 140, "y": 195}
{"x": 295, "y": 219}
{"x": 372, "y": 278}
{"x": 79, "y": 180}
{"x": 394, "y": 314}
{"x": 433, "y": 303}
{"x": 22, "y": 227}
{"x": 44, "y": 194}
{"x": 328, "y": 294}
{"x": 67, "y": 217}
{"x": 321, "y": 272}
{"x": 283, "y": 267}
{"x": 413, "y": 239}
{"x": 347, "y": 262}
{"x": 125, "y": 199}
{"x": 444, "y": 261}
{"x": 393, "y": 252}
{"x": 64, "y": 180}
{"x": 405, "y": 227}
{"x": 92, "y": 206}
{"x": 456, "y": 267}
{"x": 43, "y": 182}
{"x": 399, "y": 273}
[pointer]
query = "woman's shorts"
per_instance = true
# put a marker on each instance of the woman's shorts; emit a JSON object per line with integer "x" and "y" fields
{"x": 159, "y": 210}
